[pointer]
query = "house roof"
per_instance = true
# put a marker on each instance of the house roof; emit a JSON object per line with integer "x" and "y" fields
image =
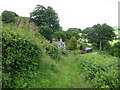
{"x": 88, "y": 48}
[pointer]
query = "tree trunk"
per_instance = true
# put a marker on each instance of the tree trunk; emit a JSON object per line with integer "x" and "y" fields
{"x": 100, "y": 46}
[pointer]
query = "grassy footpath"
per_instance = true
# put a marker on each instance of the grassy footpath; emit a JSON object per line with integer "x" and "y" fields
{"x": 77, "y": 72}
{"x": 59, "y": 76}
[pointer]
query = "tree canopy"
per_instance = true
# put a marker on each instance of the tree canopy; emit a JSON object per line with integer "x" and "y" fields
{"x": 46, "y": 32}
{"x": 73, "y": 32}
{"x": 100, "y": 34}
{"x": 60, "y": 34}
{"x": 8, "y": 16}
{"x": 45, "y": 16}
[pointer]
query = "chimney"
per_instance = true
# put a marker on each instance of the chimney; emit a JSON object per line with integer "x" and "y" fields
{"x": 53, "y": 40}
{"x": 61, "y": 39}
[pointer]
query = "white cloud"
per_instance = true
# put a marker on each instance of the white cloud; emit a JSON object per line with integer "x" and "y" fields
{"x": 72, "y": 13}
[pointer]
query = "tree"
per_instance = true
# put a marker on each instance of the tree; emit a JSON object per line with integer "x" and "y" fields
{"x": 73, "y": 43}
{"x": 73, "y": 32}
{"x": 16, "y": 15}
{"x": 46, "y": 32}
{"x": 8, "y": 16}
{"x": 82, "y": 38}
{"x": 46, "y": 17}
{"x": 52, "y": 19}
{"x": 100, "y": 34}
{"x": 83, "y": 41}
{"x": 60, "y": 34}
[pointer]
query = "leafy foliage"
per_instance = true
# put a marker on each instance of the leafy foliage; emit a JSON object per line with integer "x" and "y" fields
{"x": 99, "y": 70}
{"x": 46, "y": 17}
{"x": 100, "y": 33}
{"x": 46, "y": 32}
{"x": 53, "y": 51}
{"x": 73, "y": 32}
{"x": 73, "y": 43}
{"x": 20, "y": 54}
{"x": 8, "y": 16}
{"x": 116, "y": 51}
{"x": 60, "y": 34}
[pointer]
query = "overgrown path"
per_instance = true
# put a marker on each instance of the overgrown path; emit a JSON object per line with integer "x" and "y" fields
{"x": 66, "y": 75}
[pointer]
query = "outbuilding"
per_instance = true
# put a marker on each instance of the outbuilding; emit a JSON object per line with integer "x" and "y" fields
{"x": 88, "y": 50}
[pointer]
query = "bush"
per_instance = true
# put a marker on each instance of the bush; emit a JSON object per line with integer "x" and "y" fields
{"x": 8, "y": 16}
{"x": 64, "y": 52}
{"x": 20, "y": 55}
{"x": 75, "y": 52}
{"x": 78, "y": 51}
{"x": 53, "y": 51}
{"x": 73, "y": 43}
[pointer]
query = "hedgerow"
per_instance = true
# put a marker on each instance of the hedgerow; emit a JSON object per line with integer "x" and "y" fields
{"x": 20, "y": 54}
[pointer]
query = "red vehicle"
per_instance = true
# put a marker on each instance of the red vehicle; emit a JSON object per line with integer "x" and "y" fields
{"x": 84, "y": 52}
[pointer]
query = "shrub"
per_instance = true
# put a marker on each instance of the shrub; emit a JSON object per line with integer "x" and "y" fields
{"x": 64, "y": 52}
{"x": 78, "y": 51}
{"x": 53, "y": 51}
{"x": 75, "y": 52}
{"x": 73, "y": 43}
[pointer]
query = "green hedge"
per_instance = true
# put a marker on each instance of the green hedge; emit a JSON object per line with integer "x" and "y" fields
{"x": 20, "y": 54}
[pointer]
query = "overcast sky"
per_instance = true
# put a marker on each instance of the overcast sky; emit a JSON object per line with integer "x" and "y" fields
{"x": 72, "y": 13}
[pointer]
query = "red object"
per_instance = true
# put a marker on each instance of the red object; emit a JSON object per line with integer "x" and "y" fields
{"x": 84, "y": 52}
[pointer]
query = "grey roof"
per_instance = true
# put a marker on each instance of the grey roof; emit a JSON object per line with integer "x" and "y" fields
{"x": 60, "y": 44}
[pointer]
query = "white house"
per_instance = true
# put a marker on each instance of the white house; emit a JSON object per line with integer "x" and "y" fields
{"x": 60, "y": 44}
